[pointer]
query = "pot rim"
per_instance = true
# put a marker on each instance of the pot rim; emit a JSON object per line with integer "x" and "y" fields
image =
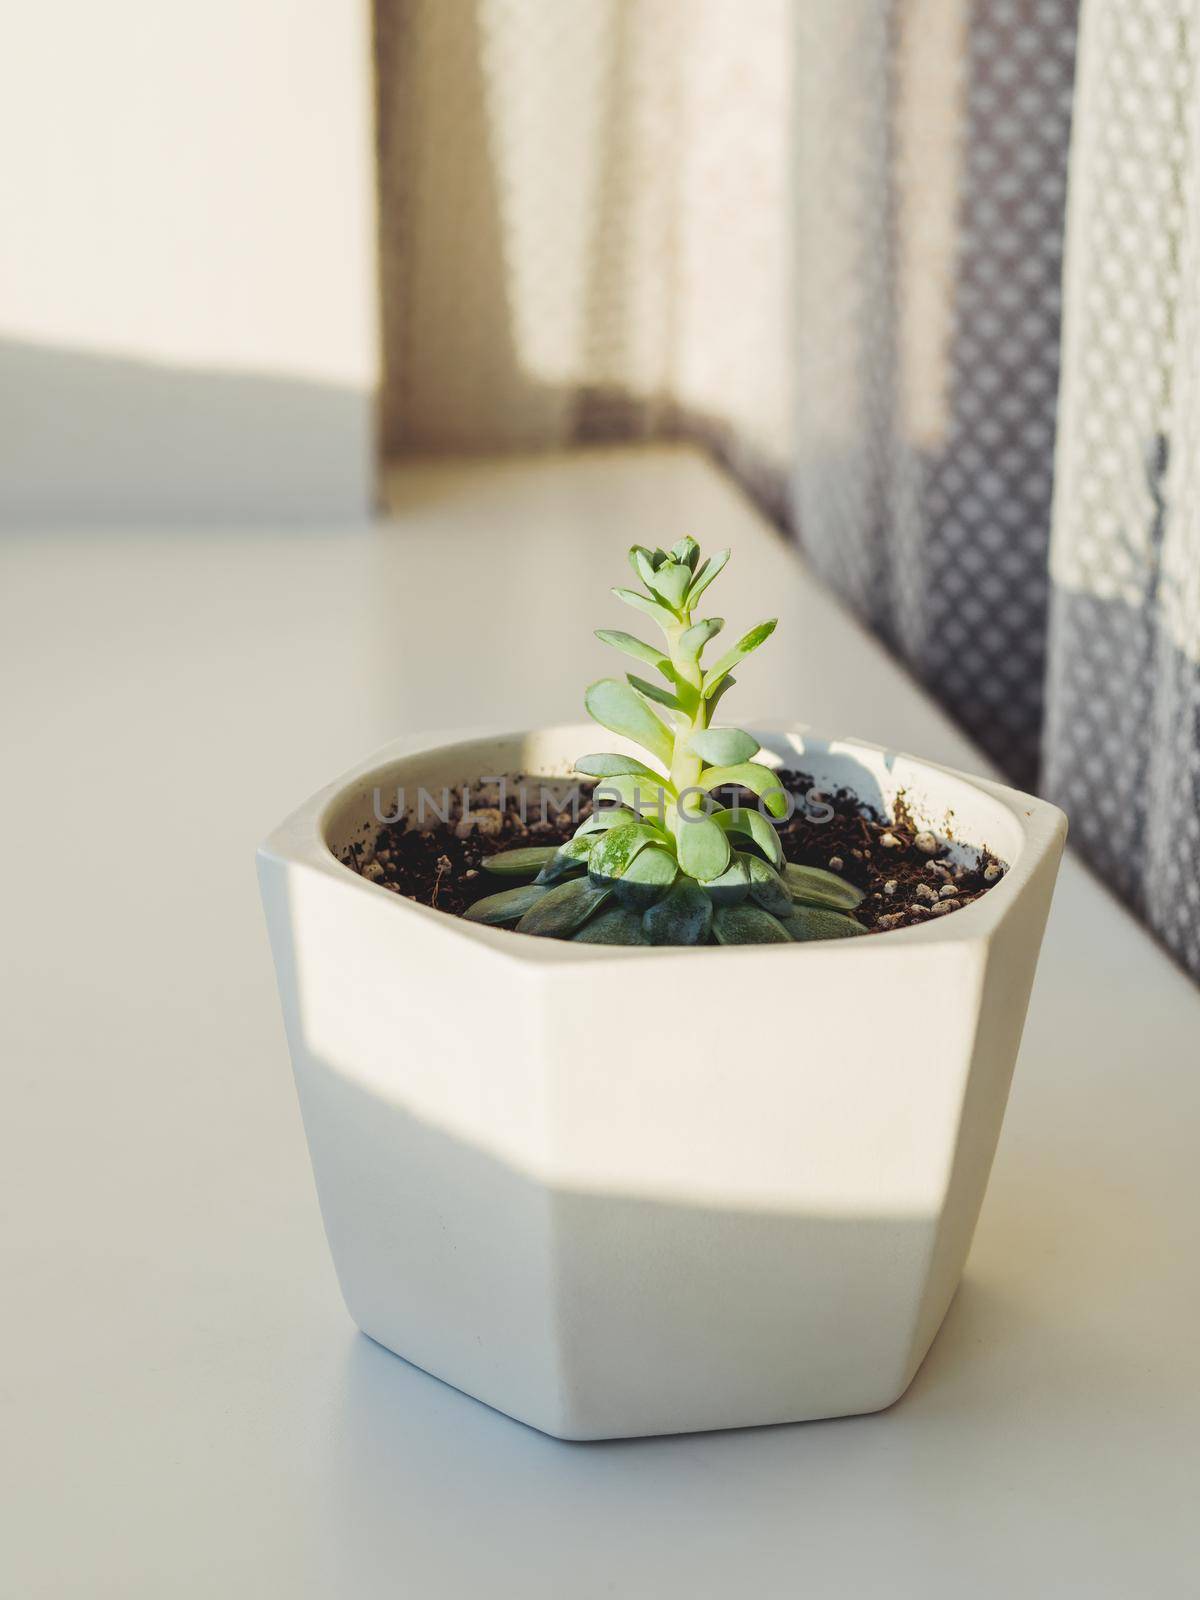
{"x": 300, "y": 841}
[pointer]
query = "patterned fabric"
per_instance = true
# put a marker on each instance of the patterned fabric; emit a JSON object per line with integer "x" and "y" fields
{"x": 826, "y": 239}
{"x": 1122, "y": 737}
{"x": 932, "y": 186}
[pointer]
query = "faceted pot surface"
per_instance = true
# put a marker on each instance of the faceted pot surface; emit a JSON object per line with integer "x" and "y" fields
{"x": 607, "y": 1213}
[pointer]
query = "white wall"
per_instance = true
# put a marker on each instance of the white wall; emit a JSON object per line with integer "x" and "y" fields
{"x": 187, "y": 280}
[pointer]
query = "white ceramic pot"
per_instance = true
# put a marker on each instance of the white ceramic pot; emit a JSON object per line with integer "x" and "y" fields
{"x": 619, "y": 1191}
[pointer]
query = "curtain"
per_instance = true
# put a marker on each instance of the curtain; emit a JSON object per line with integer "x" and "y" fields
{"x": 825, "y": 239}
{"x": 931, "y": 191}
{"x": 1122, "y": 735}
{"x": 585, "y": 225}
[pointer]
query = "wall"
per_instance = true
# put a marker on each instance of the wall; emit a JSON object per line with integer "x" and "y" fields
{"x": 187, "y": 289}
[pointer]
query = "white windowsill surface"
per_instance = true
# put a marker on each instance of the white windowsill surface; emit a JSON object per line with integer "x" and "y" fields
{"x": 185, "y": 1408}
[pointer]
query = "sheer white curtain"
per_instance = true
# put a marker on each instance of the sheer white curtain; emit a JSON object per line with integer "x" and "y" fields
{"x": 588, "y": 221}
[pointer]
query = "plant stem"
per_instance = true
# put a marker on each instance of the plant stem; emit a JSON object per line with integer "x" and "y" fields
{"x": 685, "y": 766}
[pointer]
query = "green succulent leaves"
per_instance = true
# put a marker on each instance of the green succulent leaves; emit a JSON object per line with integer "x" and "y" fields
{"x": 563, "y": 909}
{"x": 614, "y": 925}
{"x": 684, "y": 916}
{"x": 767, "y": 888}
{"x": 750, "y": 641}
{"x": 660, "y": 901}
{"x": 747, "y": 924}
{"x": 757, "y": 828}
{"x": 510, "y": 905}
{"x": 614, "y": 766}
{"x": 816, "y": 887}
{"x": 692, "y": 640}
{"x": 652, "y": 796}
{"x": 635, "y": 892}
{"x": 750, "y": 775}
{"x": 703, "y": 848}
{"x": 564, "y": 860}
{"x": 648, "y": 876}
{"x": 660, "y": 860}
{"x": 814, "y": 922}
{"x": 521, "y": 863}
{"x": 704, "y": 576}
{"x": 614, "y": 852}
{"x": 619, "y": 708}
{"x": 651, "y": 691}
{"x": 724, "y": 747}
{"x": 630, "y": 646}
{"x": 653, "y": 608}
{"x": 671, "y": 582}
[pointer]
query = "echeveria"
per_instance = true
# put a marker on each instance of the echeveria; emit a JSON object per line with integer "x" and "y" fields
{"x": 661, "y": 860}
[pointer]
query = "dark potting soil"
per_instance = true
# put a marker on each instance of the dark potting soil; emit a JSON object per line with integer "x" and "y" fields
{"x": 907, "y": 875}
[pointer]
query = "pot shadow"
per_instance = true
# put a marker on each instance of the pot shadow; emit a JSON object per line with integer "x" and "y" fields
{"x": 421, "y": 1483}
{"x": 419, "y": 1474}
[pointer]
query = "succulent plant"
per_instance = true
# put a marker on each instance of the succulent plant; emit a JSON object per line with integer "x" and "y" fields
{"x": 661, "y": 860}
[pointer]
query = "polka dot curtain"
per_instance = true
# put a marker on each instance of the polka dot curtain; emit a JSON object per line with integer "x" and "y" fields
{"x": 932, "y": 188}
{"x": 1122, "y": 733}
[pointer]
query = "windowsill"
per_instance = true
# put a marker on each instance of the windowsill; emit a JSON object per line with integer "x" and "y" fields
{"x": 188, "y": 1395}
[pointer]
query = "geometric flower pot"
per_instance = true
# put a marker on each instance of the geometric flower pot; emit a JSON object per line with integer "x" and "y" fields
{"x": 615, "y": 1191}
